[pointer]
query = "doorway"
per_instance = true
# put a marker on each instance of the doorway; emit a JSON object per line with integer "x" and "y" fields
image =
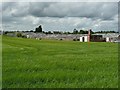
{"x": 83, "y": 39}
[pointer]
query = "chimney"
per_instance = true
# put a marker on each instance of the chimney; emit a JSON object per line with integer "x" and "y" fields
{"x": 89, "y": 33}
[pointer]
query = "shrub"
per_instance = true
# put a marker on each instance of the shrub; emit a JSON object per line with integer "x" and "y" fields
{"x": 74, "y": 39}
{"x": 61, "y": 39}
{"x": 23, "y": 36}
{"x": 19, "y": 34}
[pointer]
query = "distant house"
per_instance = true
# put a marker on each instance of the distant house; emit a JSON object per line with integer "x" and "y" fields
{"x": 91, "y": 37}
{"x": 97, "y": 38}
{"x": 111, "y": 37}
{"x": 12, "y": 34}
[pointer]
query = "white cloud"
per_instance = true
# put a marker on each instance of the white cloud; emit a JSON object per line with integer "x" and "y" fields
{"x": 59, "y": 1}
{"x": 60, "y": 16}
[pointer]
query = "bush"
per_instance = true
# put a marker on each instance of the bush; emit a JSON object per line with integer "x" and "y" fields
{"x": 61, "y": 39}
{"x": 23, "y": 36}
{"x": 78, "y": 39}
{"x": 19, "y": 34}
{"x": 74, "y": 39}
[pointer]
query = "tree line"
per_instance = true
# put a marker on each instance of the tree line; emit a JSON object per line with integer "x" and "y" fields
{"x": 75, "y": 31}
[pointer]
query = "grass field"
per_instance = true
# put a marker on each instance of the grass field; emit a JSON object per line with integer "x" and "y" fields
{"x": 59, "y": 64}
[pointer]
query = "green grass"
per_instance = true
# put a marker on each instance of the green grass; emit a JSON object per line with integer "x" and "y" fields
{"x": 59, "y": 64}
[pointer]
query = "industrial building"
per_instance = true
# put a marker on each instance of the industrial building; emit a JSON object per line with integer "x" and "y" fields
{"x": 110, "y": 37}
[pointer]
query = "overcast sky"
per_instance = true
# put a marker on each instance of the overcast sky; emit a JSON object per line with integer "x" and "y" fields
{"x": 62, "y": 16}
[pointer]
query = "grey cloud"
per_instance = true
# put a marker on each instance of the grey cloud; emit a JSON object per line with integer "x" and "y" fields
{"x": 60, "y": 15}
{"x": 37, "y": 9}
{"x": 9, "y": 6}
{"x": 89, "y": 10}
{"x": 46, "y": 9}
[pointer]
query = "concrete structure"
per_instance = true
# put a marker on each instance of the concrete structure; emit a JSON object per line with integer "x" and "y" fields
{"x": 89, "y": 35}
{"x": 111, "y": 37}
{"x": 107, "y": 39}
{"x": 97, "y": 38}
{"x": 27, "y": 36}
{"x": 84, "y": 39}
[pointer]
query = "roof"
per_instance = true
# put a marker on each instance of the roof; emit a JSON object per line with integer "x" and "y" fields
{"x": 111, "y": 35}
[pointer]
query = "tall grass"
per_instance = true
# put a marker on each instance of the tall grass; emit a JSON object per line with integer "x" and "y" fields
{"x": 59, "y": 64}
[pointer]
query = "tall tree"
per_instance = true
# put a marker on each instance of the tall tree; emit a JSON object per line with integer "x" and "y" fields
{"x": 75, "y": 31}
{"x": 39, "y": 29}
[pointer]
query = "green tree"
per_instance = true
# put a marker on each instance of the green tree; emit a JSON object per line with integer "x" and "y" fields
{"x": 75, "y": 31}
{"x": 81, "y": 32}
{"x": 39, "y": 29}
{"x": 19, "y": 34}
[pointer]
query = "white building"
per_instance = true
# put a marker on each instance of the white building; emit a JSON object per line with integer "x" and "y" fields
{"x": 111, "y": 37}
{"x": 28, "y": 36}
{"x": 84, "y": 39}
{"x": 107, "y": 39}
